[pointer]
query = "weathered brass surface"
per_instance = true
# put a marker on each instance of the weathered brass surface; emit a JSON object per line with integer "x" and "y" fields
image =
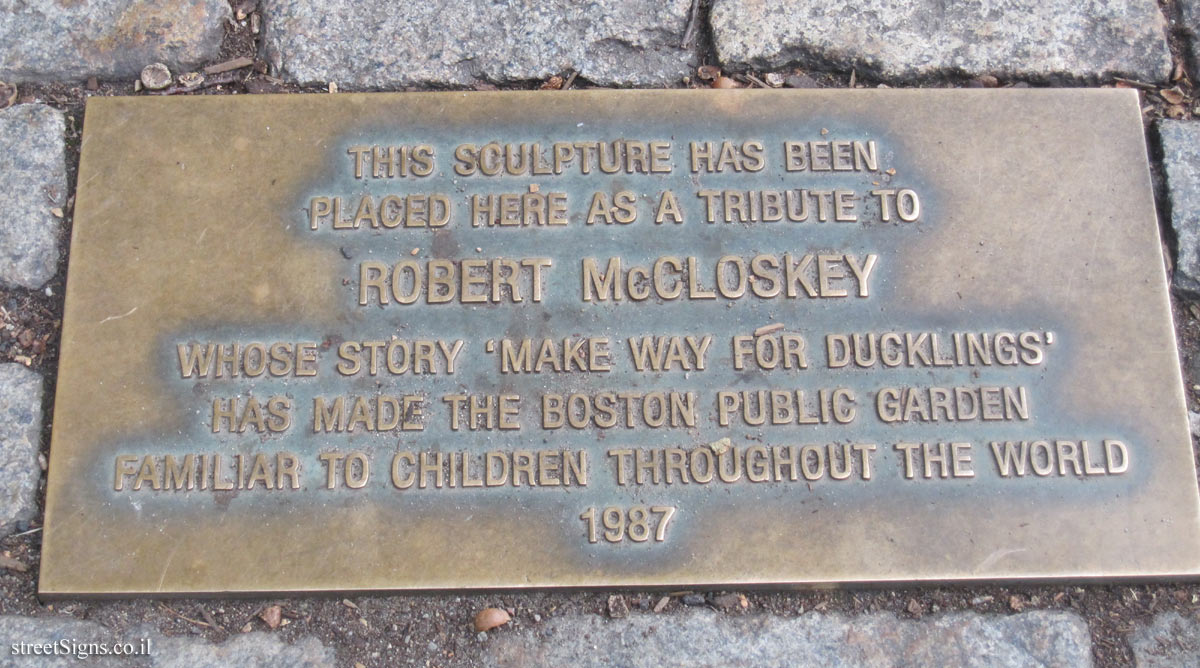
{"x": 1012, "y": 407}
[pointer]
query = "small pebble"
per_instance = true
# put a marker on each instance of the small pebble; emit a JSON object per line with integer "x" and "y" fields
{"x": 800, "y": 81}
{"x": 721, "y": 445}
{"x": 156, "y": 76}
{"x": 727, "y": 601}
{"x": 618, "y": 608}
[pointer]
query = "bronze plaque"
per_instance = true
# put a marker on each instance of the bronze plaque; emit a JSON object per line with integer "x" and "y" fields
{"x": 615, "y": 338}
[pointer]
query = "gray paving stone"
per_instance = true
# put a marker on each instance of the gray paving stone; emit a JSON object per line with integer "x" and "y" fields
{"x": 248, "y": 650}
{"x": 71, "y": 637}
{"x": 457, "y": 42}
{"x": 1170, "y": 641}
{"x": 706, "y": 638}
{"x": 75, "y": 39}
{"x": 1190, "y": 11}
{"x": 20, "y": 433}
{"x": 1181, "y": 158}
{"x": 1036, "y": 39}
{"x": 33, "y": 181}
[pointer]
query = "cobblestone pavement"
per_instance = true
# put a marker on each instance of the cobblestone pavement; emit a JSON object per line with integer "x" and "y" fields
{"x": 58, "y": 54}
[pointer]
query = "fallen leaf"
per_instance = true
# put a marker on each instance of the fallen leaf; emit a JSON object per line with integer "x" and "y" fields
{"x": 490, "y": 618}
{"x": 1172, "y": 95}
{"x": 191, "y": 79}
{"x": 725, "y": 82}
{"x": 272, "y": 615}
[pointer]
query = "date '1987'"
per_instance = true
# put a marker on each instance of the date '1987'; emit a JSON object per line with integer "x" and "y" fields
{"x": 637, "y": 523}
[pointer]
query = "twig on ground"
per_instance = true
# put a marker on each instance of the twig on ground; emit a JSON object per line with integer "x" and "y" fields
{"x": 186, "y": 619}
{"x": 689, "y": 35}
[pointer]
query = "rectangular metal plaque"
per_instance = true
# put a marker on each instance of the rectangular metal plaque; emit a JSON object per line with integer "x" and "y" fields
{"x": 634, "y": 338}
